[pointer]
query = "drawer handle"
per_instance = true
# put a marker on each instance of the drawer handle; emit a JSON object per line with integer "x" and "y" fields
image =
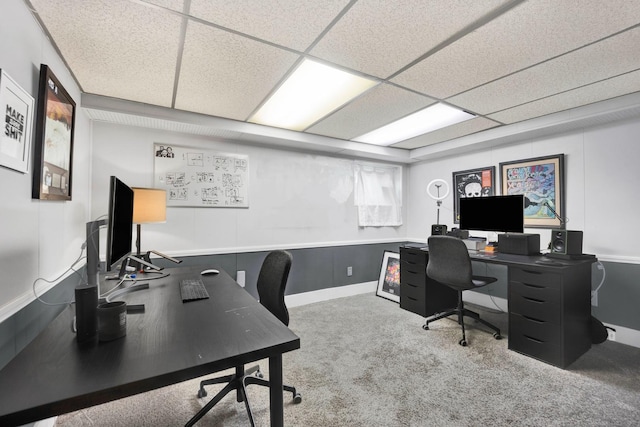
{"x": 534, "y": 339}
{"x": 532, "y": 271}
{"x": 534, "y": 319}
{"x": 537, "y": 301}
{"x": 531, "y": 285}
{"x": 412, "y": 299}
{"x": 411, "y": 284}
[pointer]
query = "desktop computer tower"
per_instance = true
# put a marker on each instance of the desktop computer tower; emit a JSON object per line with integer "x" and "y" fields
{"x": 519, "y": 243}
{"x": 566, "y": 242}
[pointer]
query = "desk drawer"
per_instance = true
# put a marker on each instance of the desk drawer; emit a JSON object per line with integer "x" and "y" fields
{"x": 411, "y": 290}
{"x": 413, "y": 305}
{"x": 546, "y": 351}
{"x": 413, "y": 275}
{"x": 535, "y": 308}
{"x": 535, "y": 276}
{"x": 541, "y": 292}
{"x": 413, "y": 256}
{"x": 539, "y": 330}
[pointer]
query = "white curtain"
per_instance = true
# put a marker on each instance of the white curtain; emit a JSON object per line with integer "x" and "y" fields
{"x": 378, "y": 194}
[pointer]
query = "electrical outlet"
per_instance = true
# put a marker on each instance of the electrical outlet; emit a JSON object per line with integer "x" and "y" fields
{"x": 349, "y": 271}
{"x": 594, "y": 298}
{"x": 611, "y": 334}
{"x": 240, "y": 277}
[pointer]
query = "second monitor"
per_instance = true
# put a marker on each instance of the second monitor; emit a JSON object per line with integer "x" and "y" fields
{"x": 493, "y": 213}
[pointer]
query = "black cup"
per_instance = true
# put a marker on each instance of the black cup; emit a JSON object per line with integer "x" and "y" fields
{"x": 112, "y": 320}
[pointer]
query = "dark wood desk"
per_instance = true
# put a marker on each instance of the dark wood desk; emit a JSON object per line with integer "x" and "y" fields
{"x": 169, "y": 343}
{"x": 549, "y": 304}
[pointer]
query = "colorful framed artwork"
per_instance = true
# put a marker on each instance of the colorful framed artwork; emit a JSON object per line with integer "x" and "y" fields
{"x": 472, "y": 183}
{"x": 53, "y": 154}
{"x": 17, "y": 117}
{"x": 389, "y": 280}
{"x": 541, "y": 181}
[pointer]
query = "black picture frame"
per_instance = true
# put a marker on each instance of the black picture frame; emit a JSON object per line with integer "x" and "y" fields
{"x": 541, "y": 181}
{"x": 483, "y": 181}
{"x": 389, "y": 280}
{"x": 53, "y": 145}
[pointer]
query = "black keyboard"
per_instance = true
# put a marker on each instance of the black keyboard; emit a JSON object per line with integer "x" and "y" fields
{"x": 192, "y": 290}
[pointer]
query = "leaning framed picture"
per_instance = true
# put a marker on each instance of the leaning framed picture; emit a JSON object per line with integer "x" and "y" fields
{"x": 389, "y": 280}
{"x": 53, "y": 153}
{"x": 16, "y": 106}
{"x": 541, "y": 181}
{"x": 472, "y": 183}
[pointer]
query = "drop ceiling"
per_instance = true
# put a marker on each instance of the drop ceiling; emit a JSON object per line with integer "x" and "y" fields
{"x": 205, "y": 66}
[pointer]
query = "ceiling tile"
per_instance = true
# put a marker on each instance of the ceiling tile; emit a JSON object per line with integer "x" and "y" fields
{"x": 133, "y": 58}
{"x": 528, "y": 34}
{"x": 379, "y": 37}
{"x": 608, "y": 58}
{"x": 616, "y": 86}
{"x": 227, "y": 75}
{"x": 381, "y": 105}
{"x": 176, "y": 5}
{"x": 450, "y": 132}
{"x": 294, "y": 24}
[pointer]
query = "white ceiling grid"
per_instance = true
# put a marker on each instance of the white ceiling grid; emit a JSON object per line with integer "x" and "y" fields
{"x": 507, "y": 61}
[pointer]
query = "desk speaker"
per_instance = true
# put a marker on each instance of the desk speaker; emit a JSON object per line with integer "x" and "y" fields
{"x": 566, "y": 242}
{"x": 438, "y": 230}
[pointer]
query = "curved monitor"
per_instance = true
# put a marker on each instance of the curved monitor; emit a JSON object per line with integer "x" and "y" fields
{"x": 120, "y": 222}
{"x": 493, "y": 213}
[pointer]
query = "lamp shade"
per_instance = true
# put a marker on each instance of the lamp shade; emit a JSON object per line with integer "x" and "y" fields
{"x": 149, "y": 205}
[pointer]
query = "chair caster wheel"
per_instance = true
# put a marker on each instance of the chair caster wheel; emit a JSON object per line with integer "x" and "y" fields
{"x": 259, "y": 374}
{"x": 497, "y": 336}
{"x": 463, "y": 342}
{"x": 425, "y": 327}
{"x": 202, "y": 393}
{"x": 297, "y": 398}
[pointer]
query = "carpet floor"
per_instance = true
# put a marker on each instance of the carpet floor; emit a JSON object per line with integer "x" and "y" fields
{"x": 364, "y": 361}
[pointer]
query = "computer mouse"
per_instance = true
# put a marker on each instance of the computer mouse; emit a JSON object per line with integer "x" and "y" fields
{"x": 209, "y": 271}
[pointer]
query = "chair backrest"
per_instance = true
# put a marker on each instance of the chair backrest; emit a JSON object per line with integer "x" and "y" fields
{"x": 449, "y": 262}
{"x": 272, "y": 282}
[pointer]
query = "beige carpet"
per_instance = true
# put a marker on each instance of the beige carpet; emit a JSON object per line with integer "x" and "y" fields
{"x": 366, "y": 362}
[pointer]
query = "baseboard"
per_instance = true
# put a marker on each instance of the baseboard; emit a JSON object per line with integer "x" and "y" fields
{"x": 330, "y": 293}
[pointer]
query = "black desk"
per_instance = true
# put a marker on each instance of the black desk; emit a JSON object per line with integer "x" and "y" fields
{"x": 549, "y": 305}
{"x": 170, "y": 342}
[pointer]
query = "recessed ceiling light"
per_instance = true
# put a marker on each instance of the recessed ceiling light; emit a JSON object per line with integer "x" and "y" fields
{"x": 310, "y": 93}
{"x": 427, "y": 120}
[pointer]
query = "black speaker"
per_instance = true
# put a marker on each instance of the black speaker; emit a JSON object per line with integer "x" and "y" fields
{"x": 566, "y": 242}
{"x": 438, "y": 230}
{"x": 86, "y": 313}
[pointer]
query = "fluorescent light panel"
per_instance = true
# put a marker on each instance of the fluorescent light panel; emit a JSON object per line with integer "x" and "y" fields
{"x": 427, "y": 120}
{"x": 310, "y": 93}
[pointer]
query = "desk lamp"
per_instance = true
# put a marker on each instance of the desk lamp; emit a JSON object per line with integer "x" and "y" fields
{"x": 149, "y": 206}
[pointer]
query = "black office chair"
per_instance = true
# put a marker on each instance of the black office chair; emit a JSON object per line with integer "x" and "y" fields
{"x": 450, "y": 264}
{"x": 272, "y": 282}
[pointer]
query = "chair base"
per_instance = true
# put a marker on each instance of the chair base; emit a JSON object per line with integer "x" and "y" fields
{"x": 460, "y": 311}
{"x": 238, "y": 382}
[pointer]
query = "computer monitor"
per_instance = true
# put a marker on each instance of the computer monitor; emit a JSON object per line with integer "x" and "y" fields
{"x": 493, "y": 213}
{"x": 120, "y": 223}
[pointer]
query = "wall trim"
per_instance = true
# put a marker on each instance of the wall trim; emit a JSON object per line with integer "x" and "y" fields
{"x": 326, "y": 294}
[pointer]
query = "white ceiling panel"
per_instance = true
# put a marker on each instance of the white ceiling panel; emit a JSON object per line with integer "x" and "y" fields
{"x": 507, "y": 61}
{"x": 584, "y": 95}
{"x": 378, "y": 37}
{"x": 294, "y": 24}
{"x": 132, "y": 58}
{"x": 461, "y": 129}
{"x": 598, "y": 61}
{"x": 378, "y": 107}
{"x": 526, "y": 35}
{"x": 227, "y": 75}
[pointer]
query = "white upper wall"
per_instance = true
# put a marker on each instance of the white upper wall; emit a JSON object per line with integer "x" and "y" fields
{"x": 600, "y": 186}
{"x": 37, "y": 238}
{"x": 296, "y": 199}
